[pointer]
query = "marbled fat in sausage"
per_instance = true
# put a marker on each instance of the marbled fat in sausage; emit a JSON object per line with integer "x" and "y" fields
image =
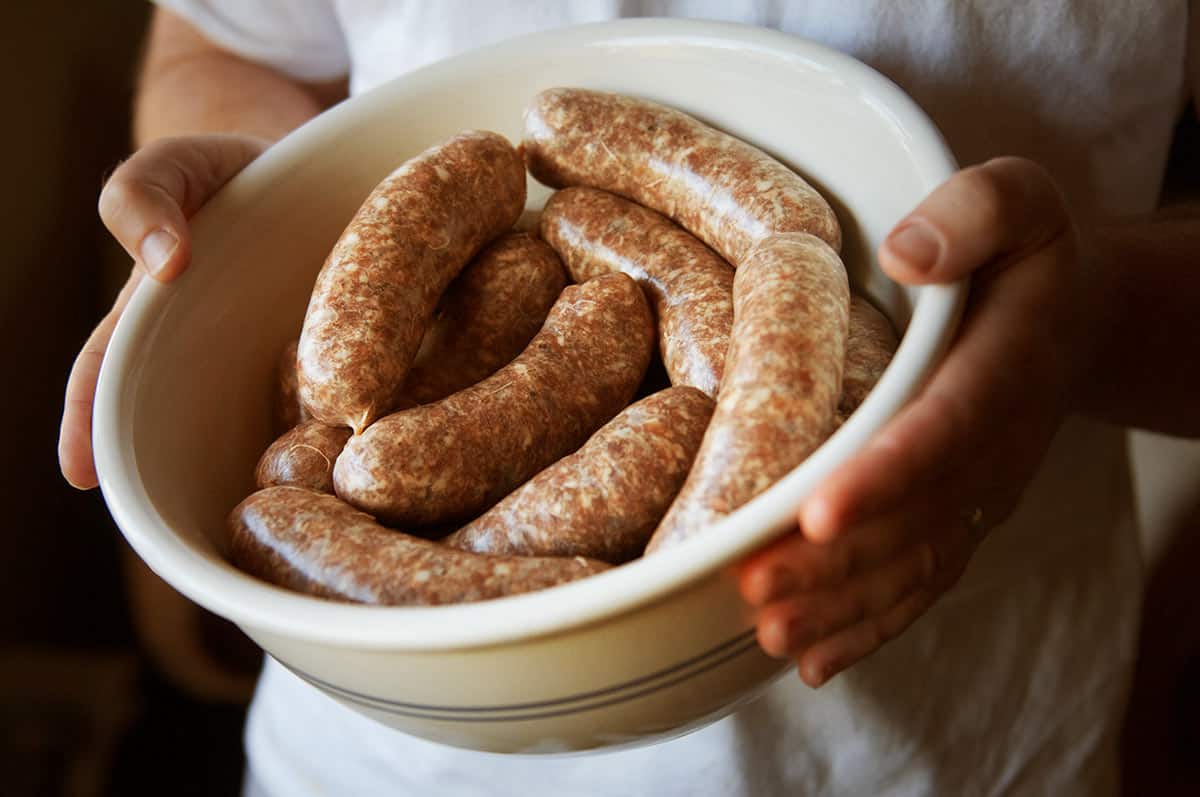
{"x": 689, "y": 285}
{"x": 317, "y": 544}
{"x": 782, "y": 382}
{"x": 604, "y": 500}
{"x": 375, "y": 296}
{"x": 450, "y": 460}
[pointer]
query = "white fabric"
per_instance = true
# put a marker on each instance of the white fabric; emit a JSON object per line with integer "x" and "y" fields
{"x": 1015, "y": 682}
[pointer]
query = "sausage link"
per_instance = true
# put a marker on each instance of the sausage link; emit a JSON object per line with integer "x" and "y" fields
{"x": 375, "y": 295}
{"x": 782, "y": 383}
{"x": 303, "y": 457}
{"x": 689, "y": 285}
{"x": 450, "y": 460}
{"x": 289, "y": 412}
{"x": 489, "y": 314}
{"x": 724, "y": 191}
{"x": 317, "y": 544}
{"x": 604, "y": 500}
{"x": 870, "y": 344}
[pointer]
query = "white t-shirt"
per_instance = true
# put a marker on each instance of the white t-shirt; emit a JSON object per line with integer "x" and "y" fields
{"x": 1015, "y": 682}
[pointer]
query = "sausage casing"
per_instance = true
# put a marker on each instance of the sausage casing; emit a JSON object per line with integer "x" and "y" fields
{"x": 302, "y": 457}
{"x": 870, "y": 344}
{"x": 374, "y": 298}
{"x": 450, "y": 460}
{"x": 689, "y": 285}
{"x": 604, "y": 500}
{"x": 724, "y": 191}
{"x": 488, "y": 315}
{"x": 317, "y": 544}
{"x": 289, "y": 412}
{"x": 782, "y": 382}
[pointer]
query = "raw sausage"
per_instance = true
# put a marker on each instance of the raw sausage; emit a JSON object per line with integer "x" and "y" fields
{"x": 689, "y": 285}
{"x": 604, "y": 500}
{"x": 317, "y": 544}
{"x": 724, "y": 191}
{"x": 450, "y": 460}
{"x": 782, "y": 382}
{"x": 303, "y": 457}
{"x": 374, "y": 298}
{"x": 870, "y": 344}
{"x": 289, "y": 412}
{"x": 488, "y": 315}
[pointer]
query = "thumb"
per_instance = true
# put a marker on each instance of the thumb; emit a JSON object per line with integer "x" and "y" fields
{"x": 149, "y": 198}
{"x": 1006, "y": 206}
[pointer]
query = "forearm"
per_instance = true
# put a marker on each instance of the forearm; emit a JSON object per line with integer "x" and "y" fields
{"x": 1144, "y": 361}
{"x": 189, "y": 85}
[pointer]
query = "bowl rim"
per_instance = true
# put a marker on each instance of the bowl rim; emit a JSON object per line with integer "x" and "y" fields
{"x": 226, "y": 591}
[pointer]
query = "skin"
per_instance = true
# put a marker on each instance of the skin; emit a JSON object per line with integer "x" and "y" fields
{"x": 1066, "y": 315}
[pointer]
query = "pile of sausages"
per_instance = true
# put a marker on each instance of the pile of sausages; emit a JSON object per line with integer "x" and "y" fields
{"x": 459, "y": 418}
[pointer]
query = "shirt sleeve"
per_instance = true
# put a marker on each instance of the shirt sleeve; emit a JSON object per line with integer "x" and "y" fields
{"x": 299, "y": 38}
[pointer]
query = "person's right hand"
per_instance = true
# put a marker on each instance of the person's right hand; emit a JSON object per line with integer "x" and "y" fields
{"x": 146, "y": 205}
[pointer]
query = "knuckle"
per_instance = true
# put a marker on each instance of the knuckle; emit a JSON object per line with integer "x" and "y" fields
{"x": 114, "y": 196}
{"x": 985, "y": 196}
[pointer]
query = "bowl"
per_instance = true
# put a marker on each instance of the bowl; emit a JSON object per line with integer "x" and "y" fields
{"x": 645, "y": 651}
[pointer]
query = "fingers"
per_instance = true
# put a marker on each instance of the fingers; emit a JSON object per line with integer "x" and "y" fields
{"x": 75, "y": 432}
{"x": 145, "y": 205}
{"x": 835, "y": 652}
{"x": 794, "y": 564}
{"x": 149, "y": 198}
{"x": 1003, "y": 206}
{"x": 831, "y": 656}
{"x": 789, "y": 626}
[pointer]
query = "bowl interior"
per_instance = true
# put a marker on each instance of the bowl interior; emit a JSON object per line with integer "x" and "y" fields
{"x": 183, "y": 409}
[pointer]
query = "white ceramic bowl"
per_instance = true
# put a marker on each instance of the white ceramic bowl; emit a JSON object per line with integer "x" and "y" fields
{"x": 647, "y": 650}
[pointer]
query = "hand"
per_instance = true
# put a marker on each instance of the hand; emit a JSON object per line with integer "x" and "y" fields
{"x": 893, "y": 528}
{"x": 146, "y": 205}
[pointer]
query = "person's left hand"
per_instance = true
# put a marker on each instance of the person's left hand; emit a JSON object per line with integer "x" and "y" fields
{"x": 893, "y": 528}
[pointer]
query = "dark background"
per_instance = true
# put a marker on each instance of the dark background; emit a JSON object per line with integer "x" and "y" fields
{"x": 85, "y": 708}
{"x": 98, "y": 698}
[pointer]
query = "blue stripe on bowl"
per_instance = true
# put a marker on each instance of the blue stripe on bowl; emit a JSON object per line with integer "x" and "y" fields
{"x": 587, "y": 701}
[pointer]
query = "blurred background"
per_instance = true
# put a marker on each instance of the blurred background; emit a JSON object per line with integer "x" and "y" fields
{"x": 110, "y": 684}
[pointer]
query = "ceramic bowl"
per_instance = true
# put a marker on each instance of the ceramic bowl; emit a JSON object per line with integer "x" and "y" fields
{"x": 647, "y": 650}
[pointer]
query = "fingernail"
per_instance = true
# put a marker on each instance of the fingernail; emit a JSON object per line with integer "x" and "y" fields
{"x": 156, "y": 250}
{"x": 916, "y": 245}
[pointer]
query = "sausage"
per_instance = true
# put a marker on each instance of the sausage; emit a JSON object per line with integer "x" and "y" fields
{"x": 374, "y": 298}
{"x": 870, "y": 344}
{"x": 724, "y": 191}
{"x": 604, "y": 500}
{"x": 317, "y": 544}
{"x": 288, "y": 411}
{"x": 782, "y": 382}
{"x": 450, "y": 460}
{"x": 689, "y": 285}
{"x": 488, "y": 315}
{"x": 303, "y": 457}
